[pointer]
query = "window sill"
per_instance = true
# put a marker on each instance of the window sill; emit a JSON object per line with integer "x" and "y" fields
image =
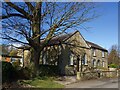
{"x": 85, "y": 64}
{"x": 71, "y": 65}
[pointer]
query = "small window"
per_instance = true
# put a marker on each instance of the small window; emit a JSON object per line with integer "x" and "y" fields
{"x": 84, "y": 59}
{"x": 103, "y": 54}
{"x": 98, "y": 63}
{"x": 93, "y": 51}
{"x": 94, "y": 63}
{"x": 44, "y": 57}
{"x": 71, "y": 59}
{"x": 103, "y": 64}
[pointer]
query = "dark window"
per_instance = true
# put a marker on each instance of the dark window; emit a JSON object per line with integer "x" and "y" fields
{"x": 98, "y": 63}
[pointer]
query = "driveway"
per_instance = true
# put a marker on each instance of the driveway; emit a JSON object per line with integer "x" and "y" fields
{"x": 100, "y": 83}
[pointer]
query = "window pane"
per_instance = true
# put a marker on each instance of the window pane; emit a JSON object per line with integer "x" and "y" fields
{"x": 93, "y": 51}
{"x": 103, "y": 54}
{"x": 71, "y": 59}
{"x": 103, "y": 64}
{"x": 94, "y": 63}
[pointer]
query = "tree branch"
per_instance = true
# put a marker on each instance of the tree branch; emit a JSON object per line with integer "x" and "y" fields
{"x": 27, "y": 15}
{"x": 11, "y": 15}
{"x": 29, "y": 5}
{"x": 13, "y": 40}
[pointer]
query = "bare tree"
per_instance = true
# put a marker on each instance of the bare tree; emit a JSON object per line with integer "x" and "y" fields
{"x": 35, "y": 23}
{"x": 113, "y": 57}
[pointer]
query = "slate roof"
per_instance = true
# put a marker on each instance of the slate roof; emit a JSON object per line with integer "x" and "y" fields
{"x": 93, "y": 45}
{"x": 57, "y": 40}
{"x": 54, "y": 41}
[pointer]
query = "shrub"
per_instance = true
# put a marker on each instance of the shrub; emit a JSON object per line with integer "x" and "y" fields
{"x": 16, "y": 64}
{"x": 113, "y": 66}
{"x": 27, "y": 72}
{"x": 8, "y": 72}
{"x": 69, "y": 70}
{"x": 102, "y": 68}
{"x": 24, "y": 73}
{"x": 44, "y": 70}
{"x": 48, "y": 70}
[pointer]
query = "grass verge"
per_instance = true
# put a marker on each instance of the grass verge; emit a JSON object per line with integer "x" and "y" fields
{"x": 42, "y": 83}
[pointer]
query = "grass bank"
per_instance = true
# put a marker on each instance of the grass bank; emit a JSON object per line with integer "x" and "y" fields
{"x": 42, "y": 83}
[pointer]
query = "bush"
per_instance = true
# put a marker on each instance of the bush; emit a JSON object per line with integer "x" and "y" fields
{"x": 113, "y": 66}
{"x": 44, "y": 70}
{"x": 48, "y": 70}
{"x": 69, "y": 71}
{"x": 16, "y": 64}
{"x": 24, "y": 73}
{"x": 8, "y": 72}
{"x": 27, "y": 72}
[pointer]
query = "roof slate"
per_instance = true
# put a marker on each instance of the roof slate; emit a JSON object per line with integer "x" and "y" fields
{"x": 93, "y": 45}
{"x": 57, "y": 40}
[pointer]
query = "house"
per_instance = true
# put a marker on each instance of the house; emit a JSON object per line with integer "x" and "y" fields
{"x": 7, "y": 57}
{"x": 11, "y": 59}
{"x": 65, "y": 50}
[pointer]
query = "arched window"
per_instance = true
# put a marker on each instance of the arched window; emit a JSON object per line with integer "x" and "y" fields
{"x": 98, "y": 63}
{"x": 71, "y": 58}
{"x": 94, "y": 63}
{"x": 85, "y": 59}
{"x": 103, "y": 63}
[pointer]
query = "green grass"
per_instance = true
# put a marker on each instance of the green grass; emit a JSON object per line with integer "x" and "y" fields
{"x": 46, "y": 83}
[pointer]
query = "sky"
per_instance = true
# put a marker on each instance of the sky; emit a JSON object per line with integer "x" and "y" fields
{"x": 104, "y": 29}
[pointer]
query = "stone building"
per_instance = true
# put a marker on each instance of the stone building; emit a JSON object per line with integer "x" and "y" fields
{"x": 64, "y": 50}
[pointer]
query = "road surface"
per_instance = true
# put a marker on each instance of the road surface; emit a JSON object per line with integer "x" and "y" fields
{"x": 101, "y": 83}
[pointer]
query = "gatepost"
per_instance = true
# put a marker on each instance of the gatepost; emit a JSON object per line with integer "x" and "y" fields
{"x": 78, "y": 72}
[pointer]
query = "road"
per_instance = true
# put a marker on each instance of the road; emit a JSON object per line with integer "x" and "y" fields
{"x": 101, "y": 83}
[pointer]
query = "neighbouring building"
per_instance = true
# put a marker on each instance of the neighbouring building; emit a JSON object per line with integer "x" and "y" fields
{"x": 7, "y": 57}
{"x": 11, "y": 59}
{"x": 64, "y": 52}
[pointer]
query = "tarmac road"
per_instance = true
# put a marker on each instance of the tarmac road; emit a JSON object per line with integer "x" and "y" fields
{"x": 101, "y": 83}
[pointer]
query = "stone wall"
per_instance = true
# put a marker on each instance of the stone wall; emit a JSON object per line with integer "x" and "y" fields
{"x": 98, "y": 56}
{"x": 26, "y": 55}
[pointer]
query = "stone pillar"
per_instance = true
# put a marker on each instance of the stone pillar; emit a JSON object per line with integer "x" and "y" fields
{"x": 78, "y": 73}
{"x": 27, "y": 57}
{"x": 78, "y": 76}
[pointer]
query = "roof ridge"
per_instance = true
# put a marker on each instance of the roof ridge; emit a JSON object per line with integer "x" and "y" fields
{"x": 98, "y": 46}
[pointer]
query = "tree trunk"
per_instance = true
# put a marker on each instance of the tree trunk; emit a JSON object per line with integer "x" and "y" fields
{"x": 36, "y": 23}
{"x": 35, "y": 59}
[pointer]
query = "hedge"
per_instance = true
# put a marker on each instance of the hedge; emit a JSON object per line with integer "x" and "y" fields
{"x": 8, "y": 72}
